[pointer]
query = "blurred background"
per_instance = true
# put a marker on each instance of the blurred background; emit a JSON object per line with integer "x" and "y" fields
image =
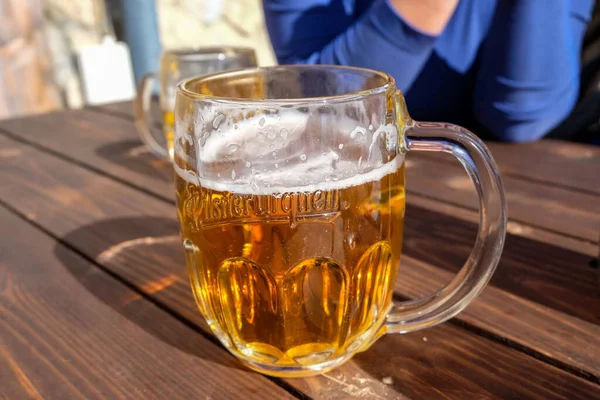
{"x": 57, "y": 54}
{"x": 53, "y": 52}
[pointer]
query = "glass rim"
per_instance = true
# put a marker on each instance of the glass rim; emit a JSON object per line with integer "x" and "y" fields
{"x": 184, "y": 86}
{"x": 202, "y": 53}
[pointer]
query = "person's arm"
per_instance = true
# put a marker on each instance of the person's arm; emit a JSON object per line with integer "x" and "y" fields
{"x": 390, "y": 36}
{"x": 429, "y": 16}
{"x": 528, "y": 79}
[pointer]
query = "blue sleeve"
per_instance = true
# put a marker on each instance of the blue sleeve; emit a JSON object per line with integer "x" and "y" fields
{"x": 528, "y": 79}
{"x": 325, "y": 32}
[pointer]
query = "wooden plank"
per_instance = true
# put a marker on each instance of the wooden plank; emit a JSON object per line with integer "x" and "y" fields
{"x": 140, "y": 245}
{"x": 69, "y": 330}
{"x": 513, "y": 228}
{"x": 571, "y": 166}
{"x": 110, "y": 144}
{"x": 548, "y": 275}
{"x": 556, "y": 162}
{"x": 551, "y": 208}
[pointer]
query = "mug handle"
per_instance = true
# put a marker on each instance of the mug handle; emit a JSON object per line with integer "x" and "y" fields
{"x": 141, "y": 108}
{"x": 471, "y": 279}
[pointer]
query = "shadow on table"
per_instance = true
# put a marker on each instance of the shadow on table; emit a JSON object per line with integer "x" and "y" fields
{"x": 144, "y": 254}
{"x": 135, "y": 156}
{"x": 550, "y": 275}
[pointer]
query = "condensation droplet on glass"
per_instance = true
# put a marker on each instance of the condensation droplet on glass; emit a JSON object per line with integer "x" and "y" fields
{"x": 233, "y": 147}
{"x": 345, "y": 204}
{"x": 261, "y": 123}
{"x": 276, "y": 165}
{"x": 274, "y": 154}
{"x": 248, "y": 164}
{"x": 303, "y": 157}
{"x": 358, "y": 131}
{"x": 271, "y": 134}
{"x": 341, "y": 146}
{"x": 370, "y": 127}
{"x": 334, "y": 160}
{"x": 235, "y": 126}
{"x": 233, "y": 174}
{"x": 218, "y": 175}
{"x": 271, "y": 146}
{"x": 283, "y": 132}
{"x": 217, "y": 121}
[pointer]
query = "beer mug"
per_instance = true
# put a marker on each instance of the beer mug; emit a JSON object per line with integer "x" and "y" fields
{"x": 291, "y": 199}
{"x": 176, "y": 66}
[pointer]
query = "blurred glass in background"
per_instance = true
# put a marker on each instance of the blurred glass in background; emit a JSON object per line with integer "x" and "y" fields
{"x": 43, "y": 43}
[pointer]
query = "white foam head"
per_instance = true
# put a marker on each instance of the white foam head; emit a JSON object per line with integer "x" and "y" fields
{"x": 296, "y": 153}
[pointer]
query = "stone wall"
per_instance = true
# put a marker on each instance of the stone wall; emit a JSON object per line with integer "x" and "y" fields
{"x": 65, "y": 26}
{"x": 26, "y": 82}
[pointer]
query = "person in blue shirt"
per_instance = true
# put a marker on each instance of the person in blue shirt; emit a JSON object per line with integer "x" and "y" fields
{"x": 506, "y": 67}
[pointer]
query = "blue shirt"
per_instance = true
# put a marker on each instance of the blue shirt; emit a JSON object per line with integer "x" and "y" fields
{"x": 508, "y": 66}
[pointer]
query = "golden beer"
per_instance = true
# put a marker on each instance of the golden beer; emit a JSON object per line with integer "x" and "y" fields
{"x": 169, "y": 131}
{"x": 295, "y": 279}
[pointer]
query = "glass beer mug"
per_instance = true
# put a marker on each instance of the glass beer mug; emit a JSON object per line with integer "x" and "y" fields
{"x": 291, "y": 198}
{"x": 175, "y": 66}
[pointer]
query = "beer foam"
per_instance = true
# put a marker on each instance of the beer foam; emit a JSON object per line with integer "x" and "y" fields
{"x": 277, "y": 182}
{"x": 292, "y": 152}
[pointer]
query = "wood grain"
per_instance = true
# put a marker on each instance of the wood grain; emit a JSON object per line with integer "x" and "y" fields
{"x": 548, "y": 275}
{"x": 69, "y": 330}
{"x": 134, "y": 236}
{"x": 108, "y": 144}
{"x": 550, "y": 208}
{"x": 514, "y": 228}
{"x": 555, "y": 162}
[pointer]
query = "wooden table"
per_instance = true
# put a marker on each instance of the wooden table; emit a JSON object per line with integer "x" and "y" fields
{"x": 95, "y": 302}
